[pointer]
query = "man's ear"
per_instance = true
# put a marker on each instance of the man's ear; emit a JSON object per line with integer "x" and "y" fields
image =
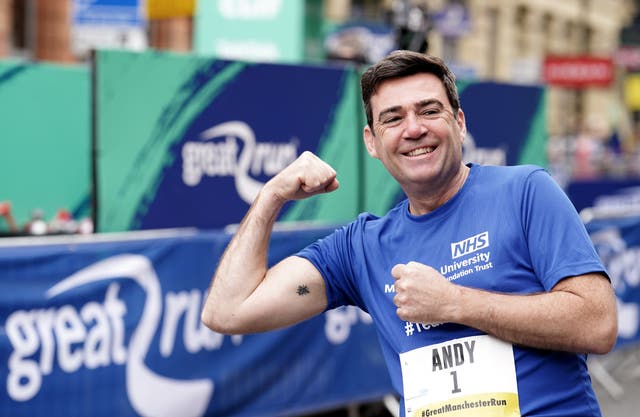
{"x": 462, "y": 125}
{"x": 369, "y": 139}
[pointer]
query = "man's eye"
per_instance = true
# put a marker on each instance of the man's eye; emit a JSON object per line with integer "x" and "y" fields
{"x": 391, "y": 120}
{"x": 430, "y": 112}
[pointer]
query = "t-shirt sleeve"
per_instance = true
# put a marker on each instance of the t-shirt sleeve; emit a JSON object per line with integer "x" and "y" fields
{"x": 559, "y": 244}
{"x": 331, "y": 256}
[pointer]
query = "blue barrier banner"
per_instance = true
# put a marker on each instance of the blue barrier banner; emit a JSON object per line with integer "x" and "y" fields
{"x": 607, "y": 194}
{"x": 110, "y": 326}
{"x": 618, "y": 244}
{"x": 521, "y": 137}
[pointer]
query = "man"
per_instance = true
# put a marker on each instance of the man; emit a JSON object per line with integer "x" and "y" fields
{"x": 499, "y": 293}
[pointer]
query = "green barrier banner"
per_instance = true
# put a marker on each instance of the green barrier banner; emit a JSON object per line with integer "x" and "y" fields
{"x": 187, "y": 141}
{"x": 45, "y": 156}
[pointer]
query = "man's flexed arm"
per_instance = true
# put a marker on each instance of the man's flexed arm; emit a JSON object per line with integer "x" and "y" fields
{"x": 245, "y": 296}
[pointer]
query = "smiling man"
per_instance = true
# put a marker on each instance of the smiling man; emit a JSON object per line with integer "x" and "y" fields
{"x": 497, "y": 292}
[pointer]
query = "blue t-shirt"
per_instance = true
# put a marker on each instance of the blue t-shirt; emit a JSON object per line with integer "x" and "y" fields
{"x": 508, "y": 229}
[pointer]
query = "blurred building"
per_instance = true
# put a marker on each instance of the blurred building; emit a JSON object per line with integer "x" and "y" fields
{"x": 514, "y": 41}
{"x": 511, "y": 41}
{"x": 586, "y": 51}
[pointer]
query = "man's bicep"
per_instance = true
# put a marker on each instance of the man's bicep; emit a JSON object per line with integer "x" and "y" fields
{"x": 298, "y": 279}
{"x": 292, "y": 291}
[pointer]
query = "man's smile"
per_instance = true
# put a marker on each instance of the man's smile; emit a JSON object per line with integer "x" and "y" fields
{"x": 421, "y": 151}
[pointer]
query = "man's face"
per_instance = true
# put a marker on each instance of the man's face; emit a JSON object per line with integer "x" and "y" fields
{"x": 415, "y": 132}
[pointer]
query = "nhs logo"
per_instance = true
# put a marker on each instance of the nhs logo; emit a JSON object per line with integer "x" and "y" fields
{"x": 470, "y": 245}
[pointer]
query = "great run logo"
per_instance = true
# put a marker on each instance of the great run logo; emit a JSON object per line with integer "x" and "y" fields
{"x": 74, "y": 338}
{"x": 219, "y": 154}
{"x": 94, "y": 336}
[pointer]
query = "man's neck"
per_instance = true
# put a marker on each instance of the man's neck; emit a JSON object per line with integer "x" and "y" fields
{"x": 423, "y": 203}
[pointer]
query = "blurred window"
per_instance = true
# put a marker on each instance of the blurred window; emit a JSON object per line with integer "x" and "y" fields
{"x": 521, "y": 34}
{"x": 20, "y": 28}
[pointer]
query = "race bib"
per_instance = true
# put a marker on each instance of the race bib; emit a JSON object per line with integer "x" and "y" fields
{"x": 467, "y": 377}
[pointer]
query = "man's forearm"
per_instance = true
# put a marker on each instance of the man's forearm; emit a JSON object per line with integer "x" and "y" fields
{"x": 577, "y": 315}
{"x": 559, "y": 320}
{"x": 244, "y": 263}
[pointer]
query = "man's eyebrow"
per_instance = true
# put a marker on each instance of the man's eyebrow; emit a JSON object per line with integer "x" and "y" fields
{"x": 392, "y": 109}
{"x": 429, "y": 102}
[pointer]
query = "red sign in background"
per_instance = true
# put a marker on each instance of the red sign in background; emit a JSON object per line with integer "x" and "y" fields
{"x": 578, "y": 72}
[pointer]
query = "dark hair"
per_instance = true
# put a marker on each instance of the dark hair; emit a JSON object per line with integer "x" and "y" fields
{"x": 403, "y": 63}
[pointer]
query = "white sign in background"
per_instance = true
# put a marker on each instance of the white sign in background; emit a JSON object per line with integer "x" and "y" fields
{"x": 108, "y": 24}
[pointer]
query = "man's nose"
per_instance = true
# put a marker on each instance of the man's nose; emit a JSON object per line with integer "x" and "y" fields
{"x": 414, "y": 127}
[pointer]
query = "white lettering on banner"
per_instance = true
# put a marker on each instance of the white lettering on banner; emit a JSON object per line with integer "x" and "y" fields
{"x": 249, "y": 9}
{"x": 93, "y": 336}
{"x": 29, "y": 331}
{"x": 218, "y": 159}
{"x": 196, "y": 336}
{"x": 150, "y": 394}
{"x": 622, "y": 266}
{"x": 482, "y": 155}
{"x": 211, "y": 159}
{"x": 339, "y": 321}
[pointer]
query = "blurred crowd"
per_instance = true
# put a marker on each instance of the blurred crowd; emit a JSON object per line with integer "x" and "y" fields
{"x": 37, "y": 225}
{"x": 590, "y": 153}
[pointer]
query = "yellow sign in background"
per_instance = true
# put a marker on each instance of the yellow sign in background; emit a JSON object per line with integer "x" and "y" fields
{"x": 632, "y": 92}
{"x": 164, "y": 9}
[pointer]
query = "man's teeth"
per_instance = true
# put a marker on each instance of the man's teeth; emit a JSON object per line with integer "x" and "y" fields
{"x": 421, "y": 151}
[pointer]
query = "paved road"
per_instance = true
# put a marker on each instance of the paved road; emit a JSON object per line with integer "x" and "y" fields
{"x": 616, "y": 380}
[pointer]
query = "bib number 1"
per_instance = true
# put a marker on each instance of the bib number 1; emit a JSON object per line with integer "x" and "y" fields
{"x": 467, "y": 377}
{"x": 455, "y": 389}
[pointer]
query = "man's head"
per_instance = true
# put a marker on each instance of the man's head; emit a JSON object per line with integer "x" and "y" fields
{"x": 401, "y": 64}
{"x": 416, "y": 127}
